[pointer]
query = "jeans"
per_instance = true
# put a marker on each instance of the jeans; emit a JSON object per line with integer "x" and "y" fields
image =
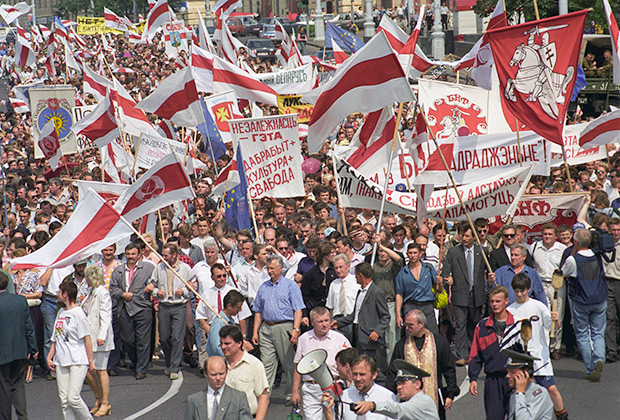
{"x": 49, "y": 307}
{"x": 69, "y": 380}
{"x": 589, "y": 322}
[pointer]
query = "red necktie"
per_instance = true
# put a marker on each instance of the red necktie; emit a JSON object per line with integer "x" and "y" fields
{"x": 219, "y": 302}
{"x": 130, "y": 277}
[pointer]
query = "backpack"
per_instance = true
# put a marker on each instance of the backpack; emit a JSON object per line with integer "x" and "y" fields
{"x": 603, "y": 244}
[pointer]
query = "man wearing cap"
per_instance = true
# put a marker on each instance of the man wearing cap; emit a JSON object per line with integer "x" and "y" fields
{"x": 414, "y": 405}
{"x": 530, "y": 401}
{"x": 78, "y": 278}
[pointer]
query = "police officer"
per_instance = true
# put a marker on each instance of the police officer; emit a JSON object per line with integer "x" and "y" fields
{"x": 414, "y": 405}
{"x": 530, "y": 401}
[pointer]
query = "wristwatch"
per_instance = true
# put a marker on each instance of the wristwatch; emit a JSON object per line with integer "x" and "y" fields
{"x": 297, "y": 329}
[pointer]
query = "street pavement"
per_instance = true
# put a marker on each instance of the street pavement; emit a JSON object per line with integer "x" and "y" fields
{"x": 131, "y": 399}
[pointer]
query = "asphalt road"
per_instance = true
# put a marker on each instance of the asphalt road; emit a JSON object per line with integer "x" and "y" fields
{"x": 131, "y": 399}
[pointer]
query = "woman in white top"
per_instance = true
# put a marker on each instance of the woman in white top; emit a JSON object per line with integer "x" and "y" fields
{"x": 98, "y": 308}
{"x": 71, "y": 353}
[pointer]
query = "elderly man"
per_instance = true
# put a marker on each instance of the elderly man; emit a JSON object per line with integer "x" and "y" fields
{"x": 342, "y": 292}
{"x": 320, "y": 337}
{"x": 501, "y": 256}
{"x": 278, "y": 305}
{"x": 218, "y": 401}
{"x": 430, "y": 352}
{"x": 504, "y": 275}
{"x": 245, "y": 372}
{"x": 364, "y": 371}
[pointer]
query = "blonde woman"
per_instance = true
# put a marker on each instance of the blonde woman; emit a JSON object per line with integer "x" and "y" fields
{"x": 98, "y": 308}
{"x": 147, "y": 254}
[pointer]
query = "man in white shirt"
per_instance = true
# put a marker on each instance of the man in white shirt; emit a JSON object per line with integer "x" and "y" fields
{"x": 202, "y": 270}
{"x": 344, "y": 245}
{"x": 547, "y": 256}
{"x": 342, "y": 293}
{"x": 203, "y": 234}
{"x": 365, "y": 389}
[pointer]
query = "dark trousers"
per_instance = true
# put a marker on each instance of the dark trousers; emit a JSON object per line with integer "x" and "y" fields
{"x": 136, "y": 337}
{"x": 12, "y": 390}
{"x": 613, "y": 310}
{"x": 465, "y": 320}
{"x": 117, "y": 354}
{"x": 190, "y": 333}
{"x": 496, "y": 396}
{"x": 427, "y": 309}
{"x": 172, "y": 319}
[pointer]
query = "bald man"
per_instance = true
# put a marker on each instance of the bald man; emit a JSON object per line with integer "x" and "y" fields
{"x": 218, "y": 401}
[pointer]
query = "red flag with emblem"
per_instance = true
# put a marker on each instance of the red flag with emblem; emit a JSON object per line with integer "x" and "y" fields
{"x": 165, "y": 183}
{"x": 537, "y": 68}
{"x": 49, "y": 144}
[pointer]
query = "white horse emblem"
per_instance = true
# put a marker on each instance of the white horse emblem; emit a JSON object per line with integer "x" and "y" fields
{"x": 536, "y": 76}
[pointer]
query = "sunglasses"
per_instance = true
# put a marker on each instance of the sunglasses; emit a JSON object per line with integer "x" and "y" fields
{"x": 509, "y": 235}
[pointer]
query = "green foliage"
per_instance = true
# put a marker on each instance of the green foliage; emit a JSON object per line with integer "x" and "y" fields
{"x": 548, "y": 8}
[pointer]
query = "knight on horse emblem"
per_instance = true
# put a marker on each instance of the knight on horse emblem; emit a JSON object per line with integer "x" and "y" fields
{"x": 536, "y": 75}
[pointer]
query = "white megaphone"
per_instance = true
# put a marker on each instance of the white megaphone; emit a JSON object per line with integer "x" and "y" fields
{"x": 313, "y": 364}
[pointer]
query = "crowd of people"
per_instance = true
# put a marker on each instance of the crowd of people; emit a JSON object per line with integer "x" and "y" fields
{"x": 310, "y": 275}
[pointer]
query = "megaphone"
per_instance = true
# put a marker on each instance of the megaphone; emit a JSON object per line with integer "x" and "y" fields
{"x": 313, "y": 364}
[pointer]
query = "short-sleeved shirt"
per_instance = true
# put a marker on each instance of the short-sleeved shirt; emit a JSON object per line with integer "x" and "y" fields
{"x": 248, "y": 376}
{"x": 213, "y": 340}
{"x": 420, "y": 290}
{"x": 70, "y": 328}
{"x": 278, "y": 301}
{"x": 332, "y": 343}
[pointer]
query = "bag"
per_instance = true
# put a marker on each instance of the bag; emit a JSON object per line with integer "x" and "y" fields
{"x": 294, "y": 415}
{"x": 603, "y": 244}
{"x": 34, "y": 302}
{"x": 441, "y": 298}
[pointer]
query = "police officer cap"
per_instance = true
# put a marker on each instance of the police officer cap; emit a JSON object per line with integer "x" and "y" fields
{"x": 517, "y": 360}
{"x": 406, "y": 371}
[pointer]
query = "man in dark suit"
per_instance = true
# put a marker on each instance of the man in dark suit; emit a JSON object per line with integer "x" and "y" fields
{"x": 371, "y": 313}
{"x": 130, "y": 289}
{"x": 501, "y": 256}
{"x": 18, "y": 344}
{"x": 218, "y": 401}
{"x": 465, "y": 272}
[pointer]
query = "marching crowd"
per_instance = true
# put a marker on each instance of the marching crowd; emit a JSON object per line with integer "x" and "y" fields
{"x": 396, "y": 309}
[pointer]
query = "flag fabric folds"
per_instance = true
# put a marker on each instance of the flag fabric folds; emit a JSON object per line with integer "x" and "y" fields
{"x": 11, "y": 12}
{"x": 100, "y": 126}
{"x": 214, "y": 145}
{"x": 615, "y": 40}
{"x": 603, "y": 130}
{"x": 345, "y": 39}
{"x": 237, "y": 209}
{"x": 49, "y": 143}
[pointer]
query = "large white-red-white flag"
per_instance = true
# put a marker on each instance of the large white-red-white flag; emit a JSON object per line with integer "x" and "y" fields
{"x": 133, "y": 118}
{"x": 94, "y": 225}
{"x": 615, "y": 40}
{"x": 24, "y": 55}
{"x": 357, "y": 87}
{"x": 225, "y": 7}
{"x": 11, "y": 12}
{"x": 603, "y": 130}
{"x": 109, "y": 191}
{"x": 95, "y": 84}
{"x": 49, "y": 143}
{"x": 165, "y": 183}
{"x": 100, "y": 126}
{"x": 112, "y": 20}
{"x": 158, "y": 15}
{"x": 175, "y": 99}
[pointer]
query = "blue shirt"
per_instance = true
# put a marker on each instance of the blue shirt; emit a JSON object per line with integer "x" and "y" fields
{"x": 420, "y": 290}
{"x": 504, "y": 275}
{"x": 213, "y": 340}
{"x": 278, "y": 301}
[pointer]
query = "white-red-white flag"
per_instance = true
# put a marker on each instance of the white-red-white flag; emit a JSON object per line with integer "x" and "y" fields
{"x": 603, "y": 130}
{"x": 165, "y": 183}
{"x": 176, "y": 99}
{"x": 107, "y": 190}
{"x": 225, "y": 7}
{"x": 615, "y": 40}
{"x": 94, "y": 225}
{"x": 212, "y": 74}
{"x": 357, "y": 87}
{"x": 24, "y": 55}
{"x": 134, "y": 119}
{"x": 19, "y": 106}
{"x": 339, "y": 55}
{"x": 11, "y": 12}
{"x": 158, "y": 15}
{"x": 203, "y": 38}
{"x": 95, "y": 84}
{"x": 100, "y": 126}
{"x": 372, "y": 142}
{"x": 49, "y": 143}
{"x": 112, "y": 20}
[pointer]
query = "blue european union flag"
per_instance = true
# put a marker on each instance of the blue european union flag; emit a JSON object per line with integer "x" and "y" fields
{"x": 58, "y": 22}
{"x": 237, "y": 206}
{"x": 343, "y": 38}
{"x": 580, "y": 83}
{"x": 213, "y": 139}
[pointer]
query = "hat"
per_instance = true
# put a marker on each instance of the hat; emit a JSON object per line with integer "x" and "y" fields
{"x": 578, "y": 225}
{"x": 81, "y": 262}
{"x": 406, "y": 371}
{"x": 207, "y": 180}
{"x": 329, "y": 231}
{"x": 517, "y": 360}
{"x": 355, "y": 232}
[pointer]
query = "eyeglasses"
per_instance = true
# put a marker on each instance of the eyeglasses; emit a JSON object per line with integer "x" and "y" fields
{"x": 509, "y": 235}
{"x": 483, "y": 230}
{"x": 601, "y": 172}
{"x": 283, "y": 248}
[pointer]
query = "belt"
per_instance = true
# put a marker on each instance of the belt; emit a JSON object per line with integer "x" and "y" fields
{"x": 277, "y": 322}
{"x": 51, "y": 296}
{"x": 391, "y": 300}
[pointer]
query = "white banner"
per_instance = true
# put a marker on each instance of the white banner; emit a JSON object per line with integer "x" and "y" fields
{"x": 574, "y": 153}
{"x": 289, "y": 82}
{"x": 80, "y": 112}
{"x": 153, "y": 148}
{"x": 223, "y": 107}
{"x": 454, "y": 110}
{"x": 489, "y": 198}
{"x": 55, "y": 103}
{"x": 109, "y": 191}
{"x": 175, "y": 38}
{"x": 271, "y": 153}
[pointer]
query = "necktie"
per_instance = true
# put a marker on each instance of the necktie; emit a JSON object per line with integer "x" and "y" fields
{"x": 215, "y": 404}
{"x": 470, "y": 266}
{"x": 170, "y": 283}
{"x": 342, "y": 299}
{"x": 130, "y": 276}
{"x": 219, "y": 303}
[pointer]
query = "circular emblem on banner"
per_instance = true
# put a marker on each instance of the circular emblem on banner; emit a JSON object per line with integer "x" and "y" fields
{"x": 456, "y": 115}
{"x": 53, "y": 104}
{"x": 151, "y": 188}
{"x": 62, "y": 120}
{"x": 48, "y": 146}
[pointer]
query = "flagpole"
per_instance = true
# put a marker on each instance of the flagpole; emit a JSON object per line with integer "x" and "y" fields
{"x": 458, "y": 194}
{"x": 387, "y": 180}
{"x": 443, "y": 227}
{"x": 339, "y": 195}
{"x": 185, "y": 282}
{"x": 6, "y": 212}
{"x": 570, "y": 181}
{"x": 135, "y": 160}
{"x": 520, "y": 156}
{"x": 253, "y": 217}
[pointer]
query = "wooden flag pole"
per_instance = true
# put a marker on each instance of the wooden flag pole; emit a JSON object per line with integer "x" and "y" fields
{"x": 535, "y": 10}
{"x": 520, "y": 155}
{"x": 387, "y": 179}
{"x": 568, "y": 177}
{"x": 458, "y": 194}
{"x": 135, "y": 160}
